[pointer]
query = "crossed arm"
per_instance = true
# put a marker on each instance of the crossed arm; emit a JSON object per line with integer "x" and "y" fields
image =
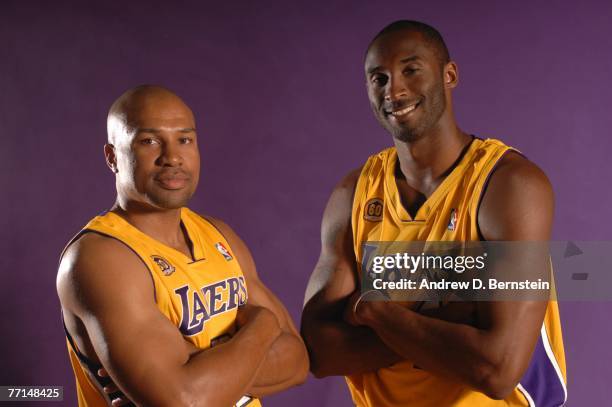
{"x": 106, "y": 289}
{"x": 286, "y": 362}
{"x": 486, "y": 355}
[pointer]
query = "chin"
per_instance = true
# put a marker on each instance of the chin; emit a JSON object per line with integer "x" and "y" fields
{"x": 407, "y": 135}
{"x": 170, "y": 202}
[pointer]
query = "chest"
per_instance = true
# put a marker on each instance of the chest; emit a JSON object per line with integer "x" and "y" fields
{"x": 200, "y": 297}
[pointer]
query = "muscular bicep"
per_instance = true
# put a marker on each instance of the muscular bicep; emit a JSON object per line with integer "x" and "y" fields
{"x": 109, "y": 289}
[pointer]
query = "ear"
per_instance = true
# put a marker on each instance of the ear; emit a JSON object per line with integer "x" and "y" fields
{"x": 451, "y": 75}
{"x": 111, "y": 158}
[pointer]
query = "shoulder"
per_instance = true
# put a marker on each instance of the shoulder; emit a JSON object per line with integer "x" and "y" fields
{"x": 513, "y": 168}
{"x": 237, "y": 245}
{"x": 348, "y": 183}
{"x": 518, "y": 192}
{"x": 222, "y": 227}
{"x": 94, "y": 264}
{"x": 339, "y": 206}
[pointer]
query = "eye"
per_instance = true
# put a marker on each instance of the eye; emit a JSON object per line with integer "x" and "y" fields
{"x": 186, "y": 140}
{"x": 410, "y": 70}
{"x": 148, "y": 141}
{"x": 379, "y": 80}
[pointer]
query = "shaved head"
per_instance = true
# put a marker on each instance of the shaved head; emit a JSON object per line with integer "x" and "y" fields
{"x": 123, "y": 115}
{"x": 430, "y": 35}
{"x": 152, "y": 148}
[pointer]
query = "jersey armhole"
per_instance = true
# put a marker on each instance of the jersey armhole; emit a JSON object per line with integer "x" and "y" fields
{"x": 486, "y": 184}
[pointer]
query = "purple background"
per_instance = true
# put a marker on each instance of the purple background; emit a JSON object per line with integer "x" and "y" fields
{"x": 278, "y": 91}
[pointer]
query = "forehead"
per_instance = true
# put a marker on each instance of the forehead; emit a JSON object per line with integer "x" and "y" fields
{"x": 398, "y": 46}
{"x": 159, "y": 111}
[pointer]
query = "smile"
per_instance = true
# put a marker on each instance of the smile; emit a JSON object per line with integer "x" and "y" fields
{"x": 404, "y": 111}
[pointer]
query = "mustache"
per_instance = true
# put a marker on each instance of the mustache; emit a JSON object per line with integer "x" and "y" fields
{"x": 399, "y": 105}
{"x": 174, "y": 173}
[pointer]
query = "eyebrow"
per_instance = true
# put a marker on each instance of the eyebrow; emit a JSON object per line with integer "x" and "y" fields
{"x": 411, "y": 58}
{"x": 152, "y": 130}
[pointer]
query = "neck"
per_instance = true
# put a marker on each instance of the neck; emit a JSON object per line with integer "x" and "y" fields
{"x": 163, "y": 225}
{"x": 425, "y": 161}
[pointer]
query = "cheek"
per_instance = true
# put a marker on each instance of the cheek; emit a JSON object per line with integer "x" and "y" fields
{"x": 125, "y": 162}
{"x": 194, "y": 159}
{"x": 373, "y": 95}
{"x": 134, "y": 168}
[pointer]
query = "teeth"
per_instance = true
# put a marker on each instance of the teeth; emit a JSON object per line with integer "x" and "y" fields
{"x": 404, "y": 111}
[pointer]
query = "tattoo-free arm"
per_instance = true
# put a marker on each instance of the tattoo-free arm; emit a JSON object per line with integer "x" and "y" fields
{"x": 335, "y": 347}
{"x": 286, "y": 362}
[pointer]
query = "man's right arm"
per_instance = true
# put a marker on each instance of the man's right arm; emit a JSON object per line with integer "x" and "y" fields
{"x": 336, "y": 347}
{"x": 109, "y": 289}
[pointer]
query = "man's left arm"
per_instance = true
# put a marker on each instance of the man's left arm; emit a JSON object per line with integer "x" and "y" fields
{"x": 492, "y": 356}
{"x": 286, "y": 363}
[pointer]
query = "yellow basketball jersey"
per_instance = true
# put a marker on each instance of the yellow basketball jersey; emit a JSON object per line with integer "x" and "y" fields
{"x": 200, "y": 296}
{"x": 449, "y": 214}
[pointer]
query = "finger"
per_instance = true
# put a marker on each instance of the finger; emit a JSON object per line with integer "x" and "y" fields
{"x": 111, "y": 388}
{"x": 370, "y": 295}
{"x": 102, "y": 372}
{"x": 119, "y": 401}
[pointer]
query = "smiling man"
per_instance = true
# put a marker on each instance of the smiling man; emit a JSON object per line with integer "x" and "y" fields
{"x": 166, "y": 301}
{"x": 436, "y": 184}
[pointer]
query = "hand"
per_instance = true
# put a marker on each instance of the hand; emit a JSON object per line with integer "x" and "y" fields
{"x": 349, "y": 311}
{"x": 121, "y": 399}
{"x": 360, "y": 305}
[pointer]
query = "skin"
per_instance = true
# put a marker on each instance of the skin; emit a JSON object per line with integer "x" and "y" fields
{"x": 153, "y": 152}
{"x": 401, "y": 69}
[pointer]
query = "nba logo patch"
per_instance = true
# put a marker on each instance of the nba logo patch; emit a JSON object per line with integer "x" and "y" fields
{"x": 452, "y": 223}
{"x": 163, "y": 264}
{"x": 223, "y": 251}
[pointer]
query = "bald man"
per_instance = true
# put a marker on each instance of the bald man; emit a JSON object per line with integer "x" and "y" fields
{"x": 165, "y": 300}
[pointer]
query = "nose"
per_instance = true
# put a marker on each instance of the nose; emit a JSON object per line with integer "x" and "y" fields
{"x": 170, "y": 156}
{"x": 395, "y": 90}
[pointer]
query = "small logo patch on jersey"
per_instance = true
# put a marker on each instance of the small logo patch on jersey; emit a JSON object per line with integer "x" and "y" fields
{"x": 223, "y": 250}
{"x": 452, "y": 223}
{"x": 163, "y": 264}
{"x": 373, "y": 210}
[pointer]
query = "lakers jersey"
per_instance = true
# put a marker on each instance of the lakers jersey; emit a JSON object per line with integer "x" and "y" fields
{"x": 449, "y": 214}
{"x": 200, "y": 296}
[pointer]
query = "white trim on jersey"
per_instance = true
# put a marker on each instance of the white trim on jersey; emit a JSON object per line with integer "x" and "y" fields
{"x": 526, "y": 394}
{"x": 553, "y": 361}
{"x": 244, "y": 400}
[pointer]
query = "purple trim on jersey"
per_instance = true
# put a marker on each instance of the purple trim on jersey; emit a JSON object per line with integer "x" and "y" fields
{"x": 486, "y": 184}
{"x": 541, "y": 380}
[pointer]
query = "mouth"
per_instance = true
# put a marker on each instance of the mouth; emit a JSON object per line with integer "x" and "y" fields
{"x": 398, "y": 113}
{"x": 172, "y": 181}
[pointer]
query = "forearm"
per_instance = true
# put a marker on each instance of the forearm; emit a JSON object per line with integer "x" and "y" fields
{"x": 219, "y": 376}
{"x": 340, "y": 349}
{"x": 455, "y": 350}
{"x": 285, "y": 365}
{"x": 458, "y": 312}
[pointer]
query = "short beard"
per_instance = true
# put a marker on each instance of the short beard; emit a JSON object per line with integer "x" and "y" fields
{"x": 407, "y": 135}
